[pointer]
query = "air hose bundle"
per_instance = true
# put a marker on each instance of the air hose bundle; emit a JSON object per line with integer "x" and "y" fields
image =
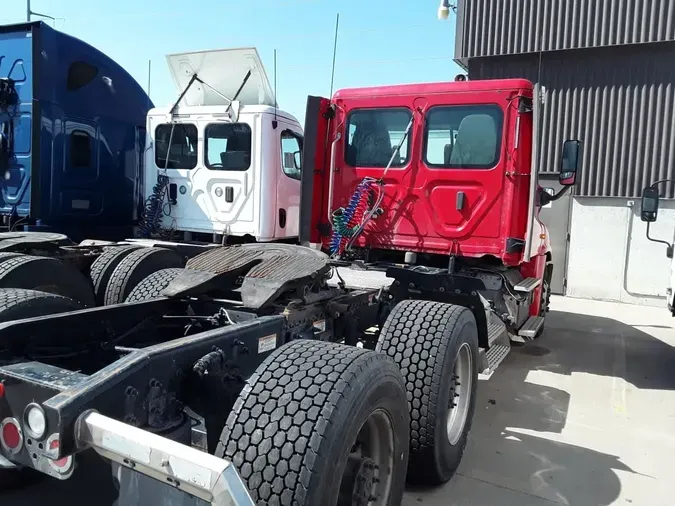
{"x": 151, "y": 220}
{"x": 349, "y": 222}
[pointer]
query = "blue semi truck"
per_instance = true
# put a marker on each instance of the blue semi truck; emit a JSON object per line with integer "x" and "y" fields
{"x": 72, "y": 135}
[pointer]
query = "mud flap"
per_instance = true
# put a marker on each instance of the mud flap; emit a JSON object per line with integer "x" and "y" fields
{"x": 152, "y": 469}
{"x": 136, "y": 489}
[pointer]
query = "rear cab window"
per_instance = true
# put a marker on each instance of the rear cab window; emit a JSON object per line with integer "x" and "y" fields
{"x": 227, "y": 146}
{"x": 373, "y": 134}
{"x": 182, "y": 154}
{"x": 463, "y": 136}
{"x": 291, "y": 154}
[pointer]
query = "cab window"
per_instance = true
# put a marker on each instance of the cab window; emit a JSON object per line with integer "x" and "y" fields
{"x": 182, "y": 154}
{"x": 372, "y": 137}
{"x": 227, "y": 146}
{"x": 466, "y": 137}
{"x": 291, "y": 154}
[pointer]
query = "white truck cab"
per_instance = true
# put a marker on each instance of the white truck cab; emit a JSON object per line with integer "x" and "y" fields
{"x": 234, "y": 158}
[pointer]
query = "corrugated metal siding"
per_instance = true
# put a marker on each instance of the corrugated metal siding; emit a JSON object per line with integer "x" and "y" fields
{"x": 500, "y": 27}
{"x": 619, "y": 101}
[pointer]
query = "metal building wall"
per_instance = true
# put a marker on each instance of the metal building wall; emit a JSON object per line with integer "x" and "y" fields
{"x": 619, "y": 100}
{"x": 501, "y": 27}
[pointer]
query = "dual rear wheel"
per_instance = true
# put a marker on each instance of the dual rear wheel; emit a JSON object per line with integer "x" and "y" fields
{"x": 325, "y": 423}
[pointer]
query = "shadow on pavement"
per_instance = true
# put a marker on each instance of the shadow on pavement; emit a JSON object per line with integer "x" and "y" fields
{"x": 504, "y": 452}
{"x": 607, "y": 347}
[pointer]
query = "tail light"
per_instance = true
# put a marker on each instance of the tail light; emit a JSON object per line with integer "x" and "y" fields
{"x": 62, "y": 465}
{"x": 11, "y": 436}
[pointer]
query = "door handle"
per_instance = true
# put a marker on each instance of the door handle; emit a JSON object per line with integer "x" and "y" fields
{"x": 461, "y": 199}
{"x": 229, "y": 194}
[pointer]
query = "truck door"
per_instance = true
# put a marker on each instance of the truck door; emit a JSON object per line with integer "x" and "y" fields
{"x": 444, "y": 189}
{"x": 288, "y": 177}
{"x": 78, "y": 186}
{"x": 315, "y": 167}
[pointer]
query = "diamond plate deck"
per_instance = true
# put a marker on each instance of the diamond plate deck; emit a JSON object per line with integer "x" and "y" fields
{"x": 359, "y": 278}
{"x": 495, "y": 356}
{"x": 496, "y": 330}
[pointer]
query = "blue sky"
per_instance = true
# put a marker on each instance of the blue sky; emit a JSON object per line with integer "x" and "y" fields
{"x": 379, "y": 42}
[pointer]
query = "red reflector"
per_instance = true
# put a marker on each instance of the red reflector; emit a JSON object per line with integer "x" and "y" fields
{"x": 2, "y": 390}
{"x": 64, "y": 462}
{"x": 11, "y": 436}
{"x": 61, "y": 462}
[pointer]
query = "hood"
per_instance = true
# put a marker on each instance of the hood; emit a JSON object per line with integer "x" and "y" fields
{"x": 223, "y": 70}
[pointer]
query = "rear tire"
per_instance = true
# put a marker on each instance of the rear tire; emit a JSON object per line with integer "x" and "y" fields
{"x": 103, "y": 267}
{"x": 292, "y": 433}
{"x": 434, "y": 344}
{"x": 17, "y": 304}
{"x": 46, "y": 274}
{"x": 135, "y": 267}
{"x": 152, "y": 286}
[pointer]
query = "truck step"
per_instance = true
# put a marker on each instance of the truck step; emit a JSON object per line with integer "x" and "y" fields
{"x": 497, "y": 332}
{"x": 527, "y": 285}
{"x": 531, "y": 327}
{"x": 494, "y": 356}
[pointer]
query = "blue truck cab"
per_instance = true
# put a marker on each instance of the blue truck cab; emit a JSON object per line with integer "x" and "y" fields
{"x": 72, "y": 135}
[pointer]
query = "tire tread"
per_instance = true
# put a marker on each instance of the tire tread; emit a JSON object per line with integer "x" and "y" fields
{"x": 417, "y": 338}
{"x": 281, "y": 418}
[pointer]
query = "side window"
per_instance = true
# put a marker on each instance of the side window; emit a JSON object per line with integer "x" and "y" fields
{"x": 80, "y": 150}
{"x": 80, "y": 74}
{"x": 466, "y": 137}
{"x": 228, "y": 146}
{"x": 182, "y": 154}
{"x": 373, "y": 134}
{"x": 291, "y": 154}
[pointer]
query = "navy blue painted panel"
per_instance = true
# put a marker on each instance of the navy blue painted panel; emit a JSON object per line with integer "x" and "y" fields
{"x": 16, "y": 63}
{"x": 91, "y": 110}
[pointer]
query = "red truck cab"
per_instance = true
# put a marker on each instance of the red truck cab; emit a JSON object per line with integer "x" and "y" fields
{"x": 450, "y": 168}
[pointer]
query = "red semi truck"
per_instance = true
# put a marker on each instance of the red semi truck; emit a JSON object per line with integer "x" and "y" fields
{"x": 323, "y": 373}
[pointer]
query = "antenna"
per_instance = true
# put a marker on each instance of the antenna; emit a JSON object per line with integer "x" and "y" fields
{"x": 149, "y": 73}
{"x": 332, "y": 72}
{"x": 30, "y": 13}
{"x": 275, "y": 123}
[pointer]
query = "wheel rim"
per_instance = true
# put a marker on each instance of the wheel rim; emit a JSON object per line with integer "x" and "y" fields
{"x": 460, "y": 393}
{"x": 367, "y": 477}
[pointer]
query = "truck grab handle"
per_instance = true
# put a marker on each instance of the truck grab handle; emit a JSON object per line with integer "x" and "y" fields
{"x": 185, "y": 468}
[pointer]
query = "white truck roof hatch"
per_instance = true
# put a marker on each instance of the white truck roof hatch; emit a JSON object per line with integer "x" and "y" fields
{"x": 224, "y": 71}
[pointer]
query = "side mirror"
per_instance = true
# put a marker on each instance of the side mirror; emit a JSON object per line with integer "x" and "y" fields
{"x": 297, "y": 160}
{"x": 570, "y": 163}
{"x": 650, "y": 204}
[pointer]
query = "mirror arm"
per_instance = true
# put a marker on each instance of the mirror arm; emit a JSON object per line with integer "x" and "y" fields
{"x": 545, "y": 197}
{"x": 668, "y": 245}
